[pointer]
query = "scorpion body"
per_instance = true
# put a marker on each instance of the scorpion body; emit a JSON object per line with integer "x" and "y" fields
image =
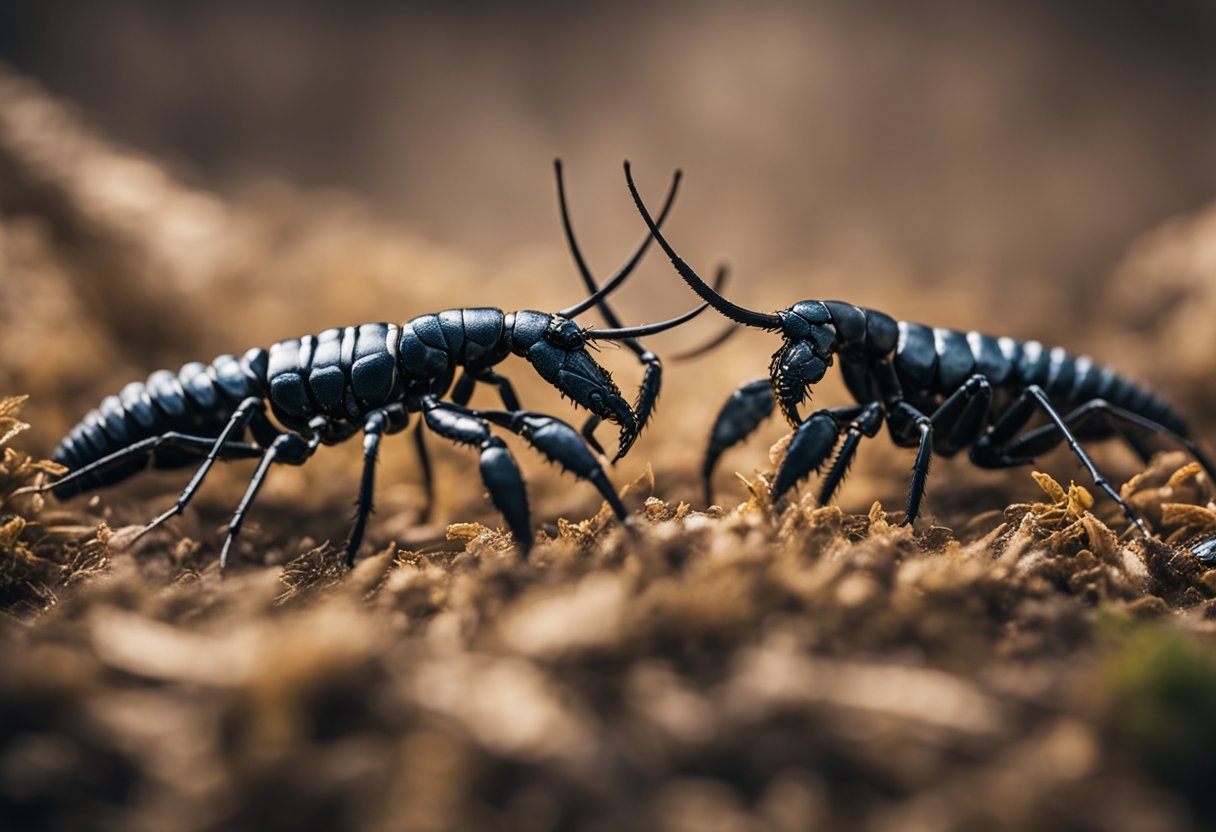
{"x": 938, "y": 390}
{"x": 326, "y": 388}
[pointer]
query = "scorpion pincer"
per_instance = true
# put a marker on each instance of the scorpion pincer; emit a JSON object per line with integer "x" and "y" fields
{"x": 938, "y": 390}
{"x": 326, "y": 388}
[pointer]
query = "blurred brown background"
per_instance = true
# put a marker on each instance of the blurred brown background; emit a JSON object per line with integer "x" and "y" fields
{"x": 1003, "y": 141}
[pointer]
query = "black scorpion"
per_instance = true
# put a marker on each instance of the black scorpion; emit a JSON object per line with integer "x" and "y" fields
{"x": 325, "y": 388}
{"x": 939, "y": 390}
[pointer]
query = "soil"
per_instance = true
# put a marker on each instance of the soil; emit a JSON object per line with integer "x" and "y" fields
{"x": 1015, "y": 660}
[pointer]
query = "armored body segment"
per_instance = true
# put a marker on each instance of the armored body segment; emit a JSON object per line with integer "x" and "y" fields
{"x": 373, "y": 375}
{"x": 990, "y": 359}
{"x": 483, "y": 337}
{"x": 198, "y": 400}
{"x": 287, "y": 374}
{"x": 850, "y": 323}
{"x": 915, "y": 356}
{"x": 327, "y": 377}
{"x": 425, "y": 367}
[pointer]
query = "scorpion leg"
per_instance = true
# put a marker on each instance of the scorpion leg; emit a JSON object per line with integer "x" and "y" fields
{"x": 499, "y": 471}
{"x": 293, "y": 450}
{"x": 1044, "y": 438}
{"x": 866, "y": 424}
{"x": 811, "y": 445}
{"x": 428, "y": 478}
{"x": 738, "y": 419}
{"x": 962, "y": 417}
{"x": 462, "y": 391}
{"x": 506, "y": 392}
{"x": 374, "y": 426}
{"x": 995, "y": 453}
{"x": 561, "y": 444}
{"x": 201, "y": 444}
{"x": 241, "y": 417}
{"x": 924, "y": 455}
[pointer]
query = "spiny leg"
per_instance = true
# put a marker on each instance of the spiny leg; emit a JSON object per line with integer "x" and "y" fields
{"x": 865, "y": 424}
{"x": 811, "y": 445}
{"x": 240, "y": 418}
{"x": 924, "y": 455}
{"x": 738, "y": 419}
{"x": 561, "y": 444}
{"x": 998, "y": 454}
{"x": 294, "y": 450}
{"x": 499, "y": 471}
{"x": 463, "y": 390}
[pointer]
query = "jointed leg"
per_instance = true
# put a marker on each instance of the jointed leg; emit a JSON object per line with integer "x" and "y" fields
{"x": 428, "y": 477}
{"x": 1044, "y": 438}
{"x": 866, "y": 424}
{"x": 924, "y": 455}
{"x": 811, "y": 445}
{"x": 373, "y": 429}
{"x": 463, "y": 390}
{"x": 962, "y": 417}
{"x": 561, "y": 444}
{"x": 201, "y": 444}
{"x": 1000, "y": 450}
{"x": 499, "y": 472}
{"x": 293, "y": 450}
{"x": 236, "y": 424}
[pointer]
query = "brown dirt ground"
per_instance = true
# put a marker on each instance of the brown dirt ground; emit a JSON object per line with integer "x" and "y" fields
{"x": 1009, "y": 663}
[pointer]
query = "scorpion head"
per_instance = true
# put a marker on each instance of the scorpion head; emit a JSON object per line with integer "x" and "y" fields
{"x": 557, "y": 347}
{"x": 809, "y": 338}
{"x": 559, "y": 350}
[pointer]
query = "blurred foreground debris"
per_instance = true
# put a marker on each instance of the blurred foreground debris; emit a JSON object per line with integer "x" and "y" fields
{"x": 718, "y": 670}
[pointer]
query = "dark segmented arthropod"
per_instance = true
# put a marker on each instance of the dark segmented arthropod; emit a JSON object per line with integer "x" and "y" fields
{"x": 325, "y": 388}
{"x": 939, "y": 390}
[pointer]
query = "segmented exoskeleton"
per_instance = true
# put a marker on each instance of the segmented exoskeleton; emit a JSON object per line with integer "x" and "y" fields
{"x": 939, "y": 390}
{"x": 325, "y": 388}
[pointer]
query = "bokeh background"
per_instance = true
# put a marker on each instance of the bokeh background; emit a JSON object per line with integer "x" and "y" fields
{"x": 179, "y": 180}
{"x": 955, "y": 140}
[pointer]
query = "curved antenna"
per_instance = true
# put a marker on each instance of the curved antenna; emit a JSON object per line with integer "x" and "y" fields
{"x": 736, "y": 313}
{"x": 722, "y": 337}
{"x": 599, "y": 293}
{"x": 629, "y": 333}
{"x": 623, "y": 333}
